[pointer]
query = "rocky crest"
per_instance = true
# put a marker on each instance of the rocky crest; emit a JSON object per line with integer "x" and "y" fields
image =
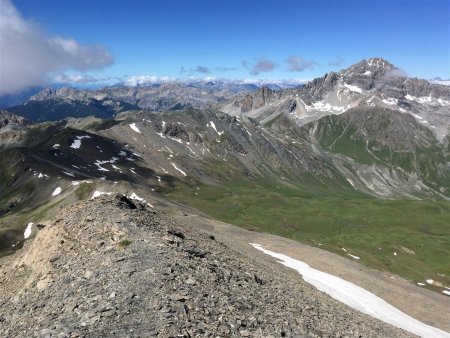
{"x": 10, "y": 121}
{"x": 115, "y": 267}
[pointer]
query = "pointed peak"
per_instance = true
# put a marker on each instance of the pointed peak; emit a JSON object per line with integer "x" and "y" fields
{"x": 370, "y": 67}
{"x": 379, "y": 63}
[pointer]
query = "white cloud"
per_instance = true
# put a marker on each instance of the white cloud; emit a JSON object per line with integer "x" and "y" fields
{"x": 28, "y": 56}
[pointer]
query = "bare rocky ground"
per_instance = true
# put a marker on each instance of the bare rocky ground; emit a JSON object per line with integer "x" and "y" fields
{"x": 112, "y": 267}
{"x": 425, "y": 305}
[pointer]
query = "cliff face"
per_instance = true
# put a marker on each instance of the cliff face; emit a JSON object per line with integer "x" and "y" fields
{"x": 116, "y": 267}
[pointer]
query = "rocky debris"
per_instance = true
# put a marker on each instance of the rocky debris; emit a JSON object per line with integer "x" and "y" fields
{"x": 102, "y": 269}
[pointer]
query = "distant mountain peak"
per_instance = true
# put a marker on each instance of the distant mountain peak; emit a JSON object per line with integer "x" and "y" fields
{"x": 379, "y": 63}
{"x": 373, "y": 66}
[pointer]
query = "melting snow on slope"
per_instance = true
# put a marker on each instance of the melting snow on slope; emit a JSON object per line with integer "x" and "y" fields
{"x": 356, "y": 297}
{"x": 77, "y": 143}
{"x": 99, "y": 163}
{"x": 322, "y": 106}
{"x": 99, "y": 193}
{"x": 57, "y": 191}
{"x": 175, "y": 166}
{"x": 133, "y": 196}
{"x": 135, "y": 128}
{"x": 211, "y": 123}
{"x": 427, "y": 99}
{"x": 353, "y": 88}
{"x": 390, "y": 101}
{"x": 27, "y": 232}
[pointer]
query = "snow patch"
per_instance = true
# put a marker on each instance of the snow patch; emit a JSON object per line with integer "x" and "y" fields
{"x": 161, "y": 134}
{"x": 77, "y": 143}
{"x": 427, "y": 100}
{"x": 68, "y": 173}
{"x": 446, "y": 292}
{"x": 417, "y": 116}
{"x": 353, "y": 88}
{"x": 176, "y": 139}
{"x": 353, "y": 256}
{"x": 351, "y": 182}
{"x": 99, "y": 193}
{"x": 27, "y": 231}
{"x": 247, "y": 130}
{"x": 133, "y": 196}
{"x": 356, "y": 297}
{"x": 429, "y": 281}
{"x": 390, "y": 101}
{"x": 211, "y": 123}
{"x": 322, "y": 106}
{"x": 99, "y": 163}
{"x": 75, "y": 183}
{"x": 57, "y": 191}
{"x": 175, "y": 166}
{"x": 135, "y": 128}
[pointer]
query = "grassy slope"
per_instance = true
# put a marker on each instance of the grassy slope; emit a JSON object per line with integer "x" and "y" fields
{"x": 372, "y": 229}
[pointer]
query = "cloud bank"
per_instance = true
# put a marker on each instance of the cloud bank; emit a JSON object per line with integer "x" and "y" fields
{"x": 28, "y": 56}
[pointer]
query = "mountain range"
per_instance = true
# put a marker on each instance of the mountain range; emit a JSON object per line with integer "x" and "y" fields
{"x": 358, "y": 159}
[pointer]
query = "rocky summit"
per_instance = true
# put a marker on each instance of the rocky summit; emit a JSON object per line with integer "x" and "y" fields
{"x": 116, "y": 267}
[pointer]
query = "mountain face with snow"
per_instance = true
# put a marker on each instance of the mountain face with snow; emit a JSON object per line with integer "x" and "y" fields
{"x": 369, "y": 83}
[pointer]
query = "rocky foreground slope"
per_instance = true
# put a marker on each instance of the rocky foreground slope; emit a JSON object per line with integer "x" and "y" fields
{"x": 114, "y": 267}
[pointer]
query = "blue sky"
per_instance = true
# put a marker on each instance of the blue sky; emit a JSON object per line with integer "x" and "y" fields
{"x": 249, "y": 39}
